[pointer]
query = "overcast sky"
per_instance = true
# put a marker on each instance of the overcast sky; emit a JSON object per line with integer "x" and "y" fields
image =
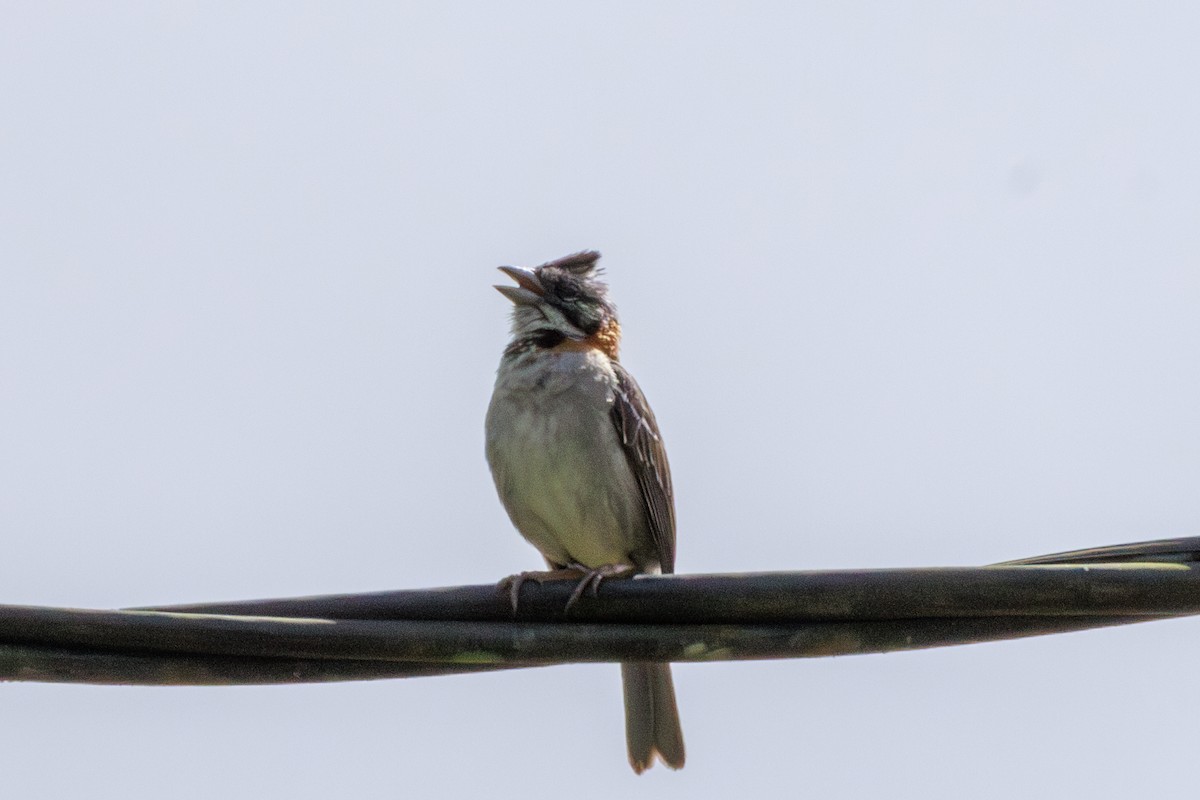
{"x": 906, "y": 284}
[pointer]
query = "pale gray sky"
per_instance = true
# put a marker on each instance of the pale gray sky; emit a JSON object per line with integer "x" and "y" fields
{"x": 907, "y": 285}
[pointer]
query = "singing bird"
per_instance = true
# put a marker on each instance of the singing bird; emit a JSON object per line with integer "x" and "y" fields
{"x": 580, "y": 466}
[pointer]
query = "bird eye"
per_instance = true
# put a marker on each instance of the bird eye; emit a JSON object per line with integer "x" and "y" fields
{"x": 547, "y": 338}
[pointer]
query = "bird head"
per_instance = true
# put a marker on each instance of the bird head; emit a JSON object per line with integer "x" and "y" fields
{"x": 562, "y": 304}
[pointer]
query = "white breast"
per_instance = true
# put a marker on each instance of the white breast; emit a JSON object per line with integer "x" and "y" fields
{"x": 558, "y": 465}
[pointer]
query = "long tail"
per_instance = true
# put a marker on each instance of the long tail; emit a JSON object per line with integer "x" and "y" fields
{"x": 651, "y": 716}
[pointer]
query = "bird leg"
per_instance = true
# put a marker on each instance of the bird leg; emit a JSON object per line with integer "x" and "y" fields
{"x": 589, "y": 578}
{"x": 513, "y": 583}
{"x": 593, "y": 577}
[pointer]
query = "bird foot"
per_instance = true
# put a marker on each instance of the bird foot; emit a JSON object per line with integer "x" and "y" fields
{"x": 513, "y": 583}
{"x": 592, "y": 578}
{"x": 589, "y": 578}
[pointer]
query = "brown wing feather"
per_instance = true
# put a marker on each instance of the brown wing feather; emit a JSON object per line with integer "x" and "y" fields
{"x": 647, "y": 457}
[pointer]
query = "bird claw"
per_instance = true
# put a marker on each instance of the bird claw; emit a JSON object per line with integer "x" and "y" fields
{"x": 513, "y": 583}
{"x": 589, "y": 580}
{"x": 592, "y": 578}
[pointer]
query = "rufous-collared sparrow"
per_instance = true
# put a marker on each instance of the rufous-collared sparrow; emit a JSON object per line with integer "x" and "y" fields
{"x": 580, "y": 466}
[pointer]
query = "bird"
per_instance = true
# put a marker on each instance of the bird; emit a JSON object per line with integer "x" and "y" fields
{"x": 580, "y": 467}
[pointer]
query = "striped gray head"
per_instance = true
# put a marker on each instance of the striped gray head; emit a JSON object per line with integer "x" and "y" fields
{"x": 562, "y": 301}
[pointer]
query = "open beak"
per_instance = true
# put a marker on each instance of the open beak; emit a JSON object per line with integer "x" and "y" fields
{"x": 528, "y": 290}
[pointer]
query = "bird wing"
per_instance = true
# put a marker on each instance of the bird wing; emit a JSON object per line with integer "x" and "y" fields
{"x": 647, "y": 457}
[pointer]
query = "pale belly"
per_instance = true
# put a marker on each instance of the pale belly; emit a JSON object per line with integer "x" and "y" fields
{"x": 561, "y": 472}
